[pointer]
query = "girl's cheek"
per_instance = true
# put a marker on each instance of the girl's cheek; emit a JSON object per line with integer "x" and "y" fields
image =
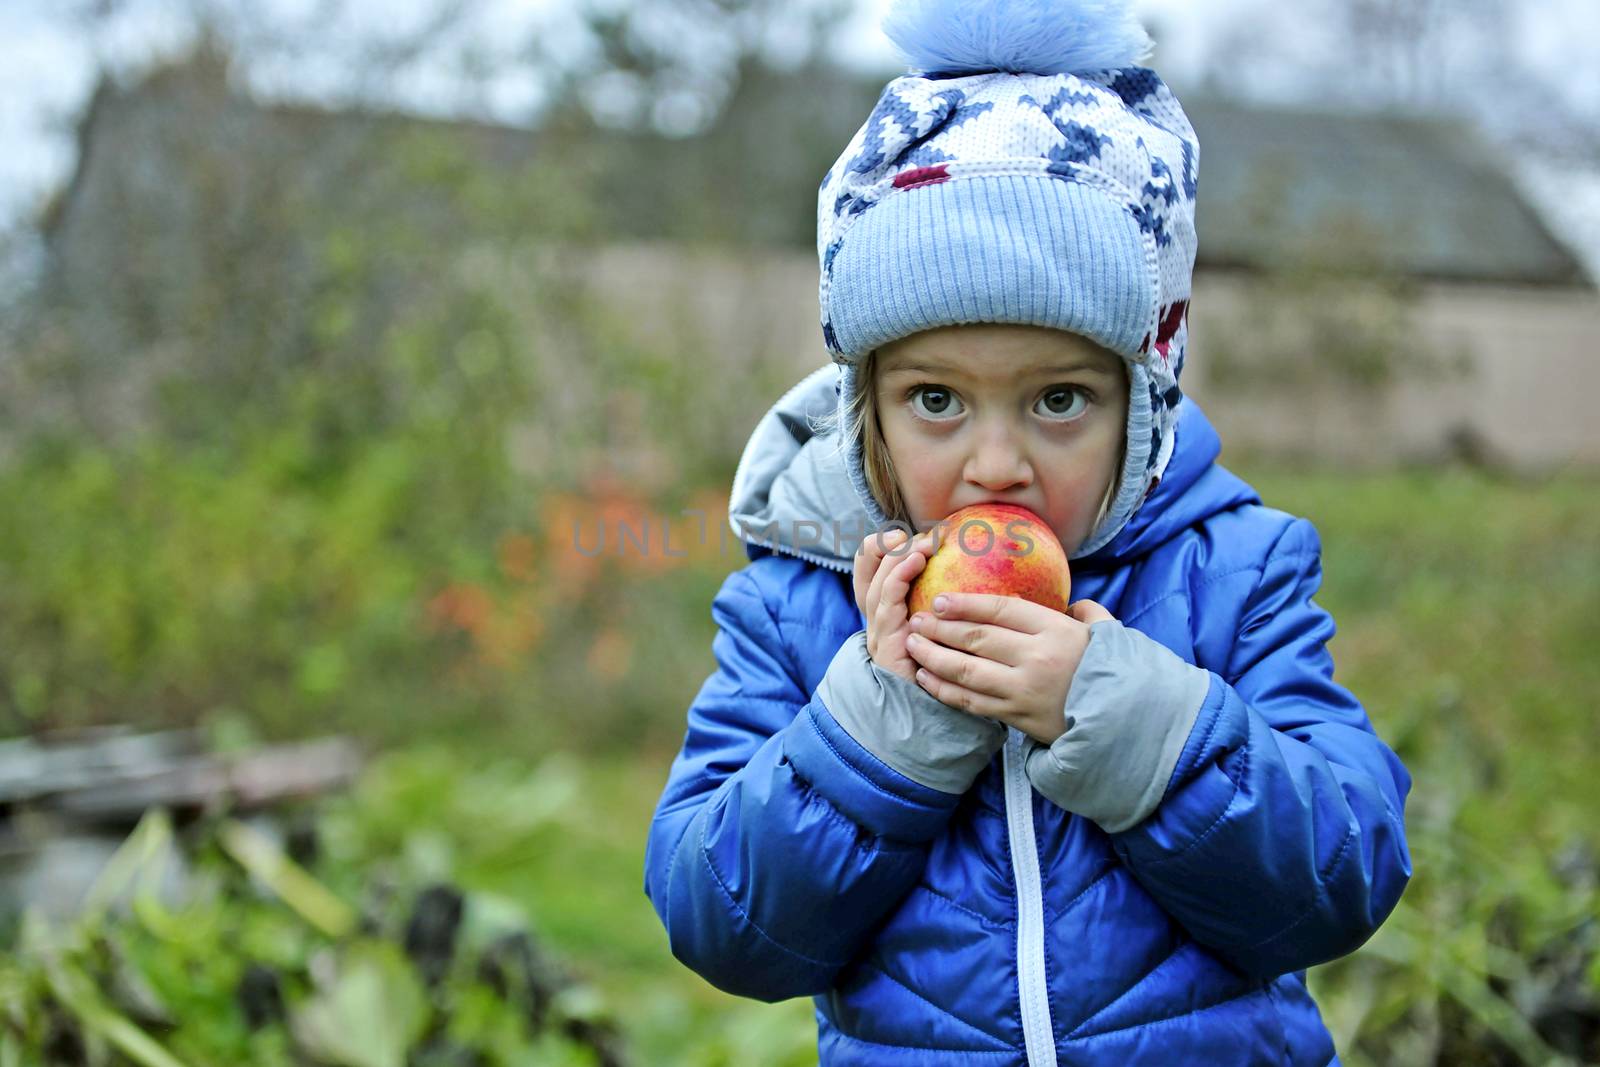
{"x": 1082, "y": 498}
{"x": 922, "y": 492}
{"x": 922, "y": 473}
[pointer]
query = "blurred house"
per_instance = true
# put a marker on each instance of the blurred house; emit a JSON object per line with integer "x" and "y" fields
{"x": 1373, "y": 288}
{"x": 1370, "y": 289}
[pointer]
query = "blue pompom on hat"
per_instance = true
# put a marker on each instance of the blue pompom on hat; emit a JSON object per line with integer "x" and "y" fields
{"x": 978, "y": 36}
{"x": 1026, "y": 171}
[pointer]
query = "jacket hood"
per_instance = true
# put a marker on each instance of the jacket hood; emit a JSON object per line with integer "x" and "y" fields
{"x": 793, "y": 493}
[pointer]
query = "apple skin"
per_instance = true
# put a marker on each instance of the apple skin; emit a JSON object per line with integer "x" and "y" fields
{"x": 1002, "y": 549}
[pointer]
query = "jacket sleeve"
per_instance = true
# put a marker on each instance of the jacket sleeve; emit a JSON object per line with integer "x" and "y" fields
{"x": 779, "y": 842}
{"x": 1280, "y": 840}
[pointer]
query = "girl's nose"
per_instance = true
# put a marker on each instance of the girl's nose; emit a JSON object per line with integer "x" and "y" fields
{"x": 998, "y": 463}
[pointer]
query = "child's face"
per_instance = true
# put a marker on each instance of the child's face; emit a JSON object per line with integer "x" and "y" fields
{"x": 1003, "y": 413}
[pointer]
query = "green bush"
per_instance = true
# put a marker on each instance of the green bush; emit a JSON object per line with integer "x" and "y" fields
{"x": 280, "y": 567}
{"x": 406, "y": 583}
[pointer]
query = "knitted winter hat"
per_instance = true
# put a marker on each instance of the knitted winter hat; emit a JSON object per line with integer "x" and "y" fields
{"x": 1025, "y": 171}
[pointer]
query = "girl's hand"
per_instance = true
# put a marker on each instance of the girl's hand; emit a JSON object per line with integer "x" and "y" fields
{"x": 886, "y": 565}
{"x": 1003, "y": 657}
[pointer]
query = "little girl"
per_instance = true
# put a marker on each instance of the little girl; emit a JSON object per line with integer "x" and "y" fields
{"x": 998, "y": 833}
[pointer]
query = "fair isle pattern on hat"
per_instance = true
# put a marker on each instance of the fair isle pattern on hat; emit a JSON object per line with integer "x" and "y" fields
{"x": 1061, "y": 200}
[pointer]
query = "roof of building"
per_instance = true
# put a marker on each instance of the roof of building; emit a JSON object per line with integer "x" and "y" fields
{"x": 1414, "y": 196}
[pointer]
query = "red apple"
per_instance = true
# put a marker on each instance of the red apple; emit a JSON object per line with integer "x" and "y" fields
{"x": 995, "y": 548}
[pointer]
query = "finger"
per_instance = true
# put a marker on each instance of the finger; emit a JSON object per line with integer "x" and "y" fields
{"x": 897, "y": 586}
{"x": 866, "y": 567}
{"x": 980, "y": 639}
{"x": 981, "y": 676}
{"x": 1088, "y": 612}
{"x": 881, "y": 543}
{"x": 958, "y": 696}
{"x": 875, "y": 553}
{"x": 1013, "y": 613}
{"x": 903, "y": 551}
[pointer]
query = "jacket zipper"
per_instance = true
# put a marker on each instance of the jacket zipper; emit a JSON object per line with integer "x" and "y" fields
{"x": 1038, "y": 1035}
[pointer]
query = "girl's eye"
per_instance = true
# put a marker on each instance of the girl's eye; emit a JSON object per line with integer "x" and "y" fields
{"x": 938, "y": 404}
{"x": 1063, "y": 405}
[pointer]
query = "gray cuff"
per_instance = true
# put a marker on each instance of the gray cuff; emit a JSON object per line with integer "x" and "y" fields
{"x": 903, "y": 724}
{"x": 1129, "y": 712}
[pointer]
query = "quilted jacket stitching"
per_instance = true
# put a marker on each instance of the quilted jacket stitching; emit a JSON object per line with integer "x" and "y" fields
{"x": 1211, "y": 731}
{"x": 1120, "y": 997}
{"x": 1102, "y": 876}
{"x": 986, "y": 920}
{"x": 782, "y": 702}
{"x": 1213, "y": 579}
{"x": 755, "y": 593}
{"x": 1244, "y": 767}
{"x": 1149, "y": 1023}
{"x": 1188, "y": 591}
{"x": 878, "y": 843}
{"x": 744, "y": 916}
{"x": 1309, "y": 909}
{"x": 879, "y": 968}
{"x": 840, "y": 1035}
{"x": 814, "y": 625}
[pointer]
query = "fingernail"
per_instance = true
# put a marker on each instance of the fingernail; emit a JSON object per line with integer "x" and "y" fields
{"x": 917, "y": 621}
{"x": 940, "y": 603}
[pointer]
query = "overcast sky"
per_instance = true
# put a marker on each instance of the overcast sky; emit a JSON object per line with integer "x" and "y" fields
{"x": 47, "y": 67}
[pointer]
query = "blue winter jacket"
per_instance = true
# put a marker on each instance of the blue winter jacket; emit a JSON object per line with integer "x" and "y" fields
{"x": 990, "y": 924}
